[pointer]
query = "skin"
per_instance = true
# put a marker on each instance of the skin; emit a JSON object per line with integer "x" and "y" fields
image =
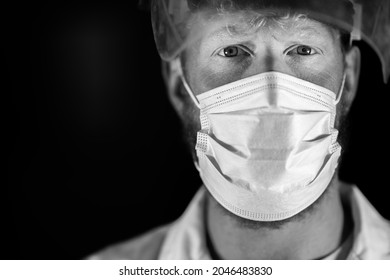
{"x": 302, "y": 48}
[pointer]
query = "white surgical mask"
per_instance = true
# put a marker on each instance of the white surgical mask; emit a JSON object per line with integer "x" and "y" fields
{"x": 267, "y": 148}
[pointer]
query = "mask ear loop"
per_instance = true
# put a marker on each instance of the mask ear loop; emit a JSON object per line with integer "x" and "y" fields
{"x": 176, "y": 64}
{"x": 177, "y": 68}
{"x": 341, "y": 89}
{"x": 188, "y": 89}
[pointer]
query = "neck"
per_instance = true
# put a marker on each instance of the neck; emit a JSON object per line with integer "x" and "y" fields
{"x": 313, "y": 235}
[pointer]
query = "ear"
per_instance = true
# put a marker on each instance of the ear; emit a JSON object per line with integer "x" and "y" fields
{"x": 352, "y": 73}
{"x": 171, "y": 72}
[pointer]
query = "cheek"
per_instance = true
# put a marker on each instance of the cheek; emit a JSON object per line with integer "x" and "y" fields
{"x": 328, "y": 77}
{"x": 325, "y": 71}
{"x": 209, "y": 79}
{"x": 208, "y": 76}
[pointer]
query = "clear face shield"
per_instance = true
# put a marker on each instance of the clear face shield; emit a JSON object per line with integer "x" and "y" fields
{"x": 367, "y": 20}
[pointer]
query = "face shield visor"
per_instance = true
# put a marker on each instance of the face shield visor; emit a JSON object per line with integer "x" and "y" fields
{"x": 367, "y": 20}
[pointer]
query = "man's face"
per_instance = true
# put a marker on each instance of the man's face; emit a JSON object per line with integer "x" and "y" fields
{"x": 233, "y": 46}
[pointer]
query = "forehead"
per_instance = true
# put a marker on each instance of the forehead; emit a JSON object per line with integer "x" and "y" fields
{"x": 247, "y": 23}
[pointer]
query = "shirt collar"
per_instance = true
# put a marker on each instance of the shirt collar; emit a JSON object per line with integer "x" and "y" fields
{"x": 371, "y": 236}
{"x": 186, "y": 238}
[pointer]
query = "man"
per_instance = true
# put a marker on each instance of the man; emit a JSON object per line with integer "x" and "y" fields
{"x": 262, "y": 88}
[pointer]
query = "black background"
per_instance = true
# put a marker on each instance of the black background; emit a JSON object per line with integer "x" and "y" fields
{"x": 93, "y": 147}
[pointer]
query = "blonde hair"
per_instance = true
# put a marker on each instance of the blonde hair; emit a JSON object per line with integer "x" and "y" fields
{"x": 258, "y": 19}
{"x": 252, "y": 17}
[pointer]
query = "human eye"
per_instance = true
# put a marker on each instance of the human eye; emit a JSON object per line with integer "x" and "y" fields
{"x": 233, "y": 51}
{"x": 302, "y": 50}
